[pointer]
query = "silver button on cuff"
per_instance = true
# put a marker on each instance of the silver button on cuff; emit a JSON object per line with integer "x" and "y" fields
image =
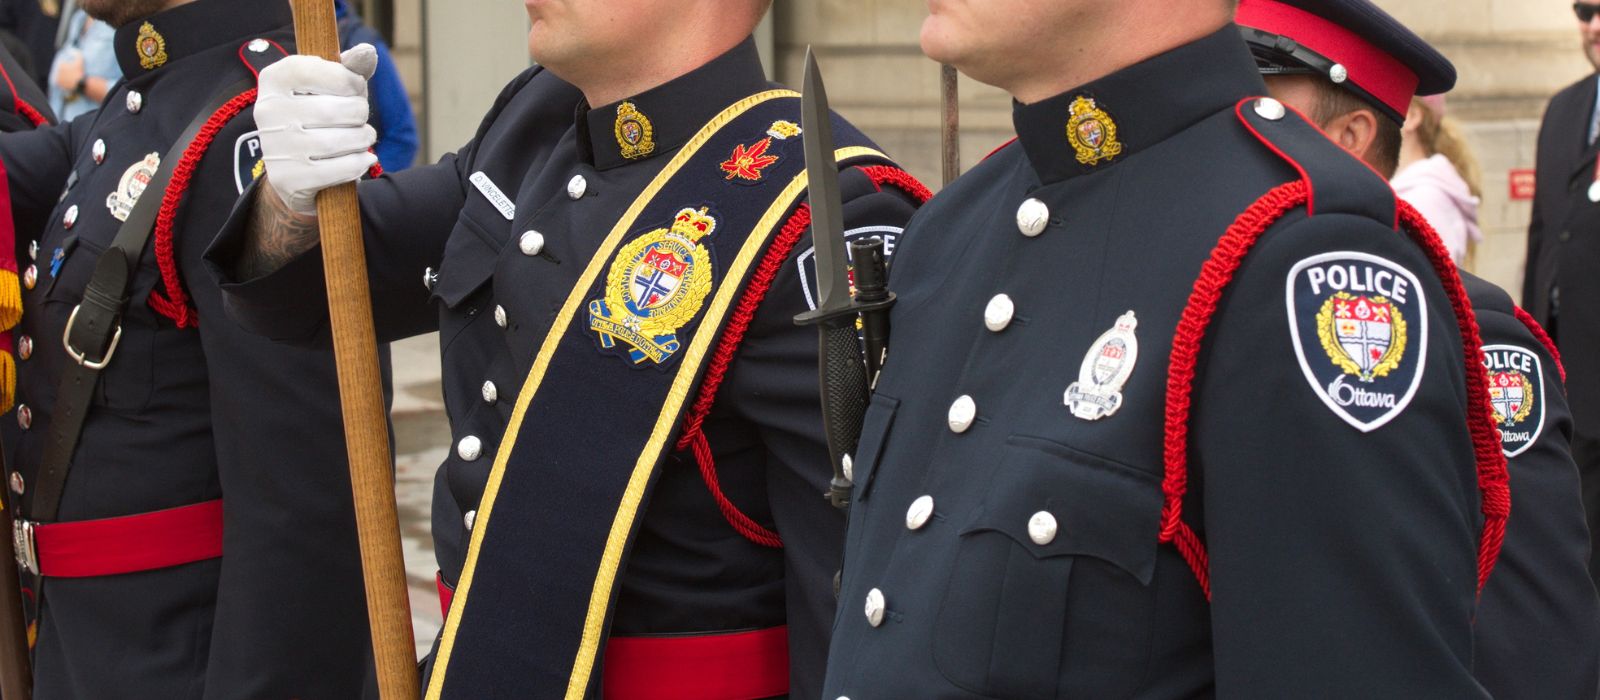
{"x": 1042, "y": 528}
{"x": 962, "y": 412}
{"x": 469, "y": 518}
{"x": 135, "y": 101}
{"x": 1032, "y": 217}
{"x": 491, "y": 393}
{"x": 919, "y": 512}
{"x": 531, "y": 243}
{"x": 997, "y": 315}
{"x": 500, "y": 316}
{"x": 18, "y": 486}
{"x": 24, "y": 417}
{"x": 470, "y": 448}
{"x": 1270, "y": 109}
{"x": 577, "y": 186}
{"x": 99, "y": 151}
{"x": 875, "y": 607}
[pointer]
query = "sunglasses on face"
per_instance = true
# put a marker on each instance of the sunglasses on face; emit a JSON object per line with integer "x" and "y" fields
{"x": 1585, "y": 11}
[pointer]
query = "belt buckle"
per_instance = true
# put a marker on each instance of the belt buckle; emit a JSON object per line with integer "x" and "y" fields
{"x": 22, "y": 540}
{"x": 81, "y": 357}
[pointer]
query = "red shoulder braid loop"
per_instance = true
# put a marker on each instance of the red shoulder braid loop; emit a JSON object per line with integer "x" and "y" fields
{"x": 1215, "y": 275}
{"x": 29, "y": 113}
{"x": 174, "y": 303}
{"x": 693, "y": 435}
{"x": 1543, "y": 338}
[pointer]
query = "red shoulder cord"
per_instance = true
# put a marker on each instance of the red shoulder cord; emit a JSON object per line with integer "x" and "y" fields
{"x": 693, "y": 436}
{"x": 1215, "y": 275}
{"x": 174, "y": 304}
{"x": 1543, "y": 338}
{"x": 25, "y": 110}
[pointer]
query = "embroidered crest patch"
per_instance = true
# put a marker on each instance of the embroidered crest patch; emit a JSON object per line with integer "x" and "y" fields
{"x": 1516, "y": 391}
{"x": 247, "y": 163}
{"x": 1360, "y": 329}
{"x": 133, "y": 183}
{"x": 1106, "y": 367}
{"x": 656, "y": 286}
{"x": 1092, "y": 132}
{"x": 636, "y": 137}
{"x": 152, "y": 47}
{"x": 807, "y": 259}
{"x": 746, "y": 163}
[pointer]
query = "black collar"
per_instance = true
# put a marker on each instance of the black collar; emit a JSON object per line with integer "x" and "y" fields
{"x": 145, "y": 45}
{"x": 1105, "y": 122}
{"x": 661, "y": 119}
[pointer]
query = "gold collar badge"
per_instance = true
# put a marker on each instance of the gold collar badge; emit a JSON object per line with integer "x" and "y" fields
{"x": 635, "y": 135}
{"x": 1092, "y": 132}
{"x": 152, "y": 47}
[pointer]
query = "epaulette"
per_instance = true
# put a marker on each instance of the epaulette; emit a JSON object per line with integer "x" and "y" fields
{"x": 1338, "y": 182}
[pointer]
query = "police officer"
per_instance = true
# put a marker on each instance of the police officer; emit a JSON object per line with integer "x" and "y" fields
{"x": 632, "y": 505}
{"x": 176, "y": 544}
{"x": 1171, "y": 408}
{"x": 1537, "y": 633}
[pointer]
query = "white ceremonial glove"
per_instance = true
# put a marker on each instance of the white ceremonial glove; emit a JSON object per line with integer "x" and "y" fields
{"x": 312, "y": 115}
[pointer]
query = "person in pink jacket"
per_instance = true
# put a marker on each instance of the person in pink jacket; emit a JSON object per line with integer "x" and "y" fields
{"x": 1439, "y": 176}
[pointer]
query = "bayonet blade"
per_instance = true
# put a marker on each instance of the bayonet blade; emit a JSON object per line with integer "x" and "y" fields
{"x": 822, "y": 175}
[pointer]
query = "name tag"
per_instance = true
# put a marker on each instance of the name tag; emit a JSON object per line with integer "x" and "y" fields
{"x": 499, "y": 199}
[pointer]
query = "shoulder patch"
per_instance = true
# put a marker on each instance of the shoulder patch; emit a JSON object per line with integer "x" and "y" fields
{"x": 247, "y": 164}
{"x": 1359, "y": 323}
{"x": 807, "y": 259}
{"x": 1516, "y": 391}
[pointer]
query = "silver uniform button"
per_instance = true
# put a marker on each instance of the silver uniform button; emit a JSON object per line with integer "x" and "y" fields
{"x": 919, "y": 512}
{"x": 135, "y": 101}
{"x": 30, "y": 277}
{"x": 531, "y": 243}
{"x": 874, "y": 608}
{"x": 69, "y": 218}
{"x": 1594, "y": 192}
{"x": 490, "y": 392}
{"x": 25, "y": 347}
{"x": 33, "y": 250}
{"x": 1270, "y": 109}
{"x": 18, "y": 486}
{"x": 997, "y": 315}
{"x": 429, "y": 278}
{"x": 1338, "y": 73}
{"x": 470, "y": 518}
{"x": 962, "y": 413}
{"x": 259, "y": 46}
{"x": 848, "y": 466}
{"x": 500, "y": 316}
{"x": 470, "y": 448}
{"x": 1032, "y": 217}
{"x": 1042, "y": 528}
{"x": 577, "y": 186}
{"x": 24, "y": 417}
{"x": 99, "y": 151}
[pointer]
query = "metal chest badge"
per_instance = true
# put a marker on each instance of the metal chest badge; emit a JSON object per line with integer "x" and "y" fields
{"x": 1360, "y": 329}
{"x": 635, "y": 135}
{"x": 1516, "y": 392}
{"x": 1092, "y": 132}
{"x": 152, "y": 47}
{"x": 1107, "y": 366}
{"x": 132, "y": 186}
{"x": 656, "y": 285}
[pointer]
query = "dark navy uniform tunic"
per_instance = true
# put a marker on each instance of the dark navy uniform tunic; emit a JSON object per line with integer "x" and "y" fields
{"x": 437, "y": 237}
{"x": 182, "y": 415}
{"x": 1003, "y": 547}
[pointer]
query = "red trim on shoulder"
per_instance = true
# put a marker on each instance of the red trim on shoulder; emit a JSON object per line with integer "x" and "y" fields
{"x": 245, "y": 59}
{"x": 1543, "y": 337}
{"x": 900, "y": 179}
{"x": 174, "y": 304}
{"x": 1311, "y": 208}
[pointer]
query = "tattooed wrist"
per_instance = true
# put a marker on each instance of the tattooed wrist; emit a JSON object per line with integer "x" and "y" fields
{"x": 276, "y": 235}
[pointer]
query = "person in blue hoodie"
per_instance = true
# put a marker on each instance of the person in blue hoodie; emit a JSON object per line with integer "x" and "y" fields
{"x": 391, "y": 107}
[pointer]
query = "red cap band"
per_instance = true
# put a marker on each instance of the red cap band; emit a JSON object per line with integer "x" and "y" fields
{"x": 1370, "y": 68}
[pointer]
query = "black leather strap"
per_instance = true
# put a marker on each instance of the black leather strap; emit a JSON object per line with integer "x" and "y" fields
{"x": 95, "y": 325}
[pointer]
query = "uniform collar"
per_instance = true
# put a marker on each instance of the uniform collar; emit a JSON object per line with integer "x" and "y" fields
{"x": 1105, "y": 122}
{"x": 663, "y": 118}
{"x": 145, "y": 45}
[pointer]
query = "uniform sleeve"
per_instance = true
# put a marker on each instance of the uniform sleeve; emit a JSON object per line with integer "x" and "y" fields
{"x": 774, "y": 384}
{"x": 1538, "y": 623}
{"x": 1337, "y": 479}
{"x": 406, "y": 218}
{"x": 290, "y": 613}
{"x": 38, "y": 163}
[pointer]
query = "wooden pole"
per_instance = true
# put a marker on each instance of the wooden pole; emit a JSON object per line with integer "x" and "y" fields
{"x": 366, "y": 431}
{"x": 950, "y": 127}
{"x": 16, "y": 678}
